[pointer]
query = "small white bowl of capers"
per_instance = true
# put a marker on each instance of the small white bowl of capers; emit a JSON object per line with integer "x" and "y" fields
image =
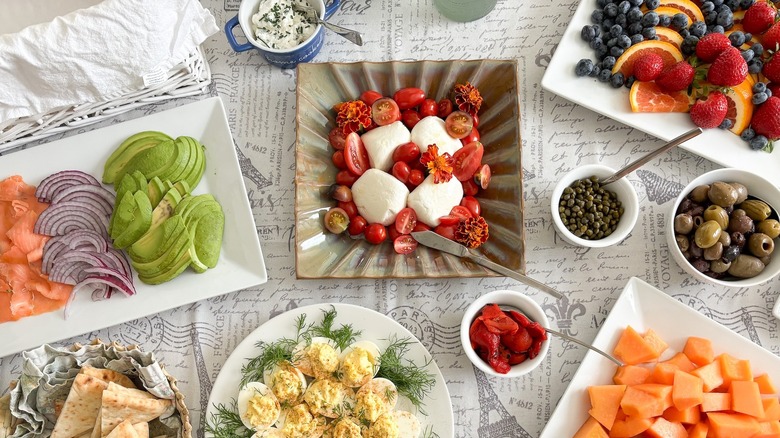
{"x": 723, "y": 228}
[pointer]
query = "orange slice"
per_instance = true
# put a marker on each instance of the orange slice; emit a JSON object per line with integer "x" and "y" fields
{"x": 647, "y": 97}
{"x": 670, "y": 36}
{"x": 740, "y": 105}
{"x": 668, "y": 52}
{"x": 687, "y": 7}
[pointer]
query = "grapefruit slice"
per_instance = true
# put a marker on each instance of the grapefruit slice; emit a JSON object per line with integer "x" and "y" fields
{"x": 667, "y": 51}
{"x": 740, "y": 103}
{"x": 670, "y": 36}
{"x": 647, "y": 97}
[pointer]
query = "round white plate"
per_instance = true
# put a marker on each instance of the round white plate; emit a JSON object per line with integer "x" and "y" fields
{"x": 375, "y": 326}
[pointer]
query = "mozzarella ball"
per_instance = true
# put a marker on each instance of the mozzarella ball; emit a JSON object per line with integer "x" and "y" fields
{"x": 381, "y": 143}
{"x": 431, "y": 201}
{"x": 432, "y": 130}
{"x": 379, "y": 196}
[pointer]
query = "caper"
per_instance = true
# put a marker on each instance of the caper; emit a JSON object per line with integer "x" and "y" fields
{"x": 756, "y": 209}
{"x": 770, "y": 227}
{"x": 742, "y": 192}
{"x": 722, "y": 194}
{"x": 683, "y": 223}
{"x": 714, "y": 252}
{"x": 760, "y": 245}
{"x": 740, "y": 222}
{"x": 699, "y": 193}
{"x": 719, "y": 266}
{"x": 707, "y": 234}
{"x": 718, "y": 214}
{"x": 746, "y": 266}
{"x": 725, "y": 239}
{"x": 682, "y": 242}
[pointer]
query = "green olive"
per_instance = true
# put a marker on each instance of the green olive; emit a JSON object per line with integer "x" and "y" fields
{"x": 746, "y": 266}
{"x": 742, "y": 192}
{"x": 760, "y": 245}
{"x": 725, "y": 239}
{"x": 770, "y": 227}
{"x": 707, "y": 234}
{"x": 718, "y": 214}
{"x": 719, "y": 266}
{"x": 722, "y": 194}
{"x": 756, "y": 209}
{"x": 683, "y": 223}
{"x": 714, "y": 252}
{"x": 682, "y": 242}
{"x": 699, "y": 194}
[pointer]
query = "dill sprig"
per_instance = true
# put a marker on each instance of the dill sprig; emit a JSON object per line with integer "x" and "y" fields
{"x": 271, "y": 353}
{"x": 226, "y": 423}
{"x": 429, "y": 433}
{"x": 342, "y": 336}
{"x": 412, "y": 381}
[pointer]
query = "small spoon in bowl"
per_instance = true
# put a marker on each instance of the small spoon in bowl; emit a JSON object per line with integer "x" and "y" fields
{"x": 505, "y": 307}
{"x": 352, "y": 35}
{"x": 636, "y": 164}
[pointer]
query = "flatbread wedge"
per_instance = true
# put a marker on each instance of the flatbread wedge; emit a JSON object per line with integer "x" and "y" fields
{"x": 117, "y": 407}
{"x": 107, "y": 375}
{"x": 123, "y": 430}
{"x": 81, "y": 407}
{"x": 129, "y": 392}
{"x": 142, "y": 429}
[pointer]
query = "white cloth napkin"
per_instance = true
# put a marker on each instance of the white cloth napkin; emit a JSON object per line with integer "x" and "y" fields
{"x": 97, "y": 54}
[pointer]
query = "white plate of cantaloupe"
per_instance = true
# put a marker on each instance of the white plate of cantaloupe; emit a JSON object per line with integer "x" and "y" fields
{"x": 684, "y": 375}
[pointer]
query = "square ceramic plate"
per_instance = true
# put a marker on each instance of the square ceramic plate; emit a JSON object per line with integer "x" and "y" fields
{"x": 643, "y": 307}
{"x": 320, "y": 86}
{"x": 716, "y": 145}
{"x": 241, "y": 260}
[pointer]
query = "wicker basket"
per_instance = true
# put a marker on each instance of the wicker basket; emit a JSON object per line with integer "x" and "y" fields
{"x": 8, "y": 422}
{"x": 189, "y": 78}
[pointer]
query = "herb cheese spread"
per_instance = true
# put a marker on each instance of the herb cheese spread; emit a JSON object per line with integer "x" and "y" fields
{"x": 282, "y": 24}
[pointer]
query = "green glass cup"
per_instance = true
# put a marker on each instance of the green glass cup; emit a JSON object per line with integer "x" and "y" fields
{"x": 465, "y": 10}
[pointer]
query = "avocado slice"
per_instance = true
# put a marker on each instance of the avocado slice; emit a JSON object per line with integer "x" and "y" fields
{"x": 171, "y": 271}
{"x": 140, "y": 181}
{"x": 207, "y": 237}
{"x": 156, "y": 190}
{"x": 115, "y": 164}
{"x": 133, "y": 217}
{"x": 188, "y": 159}
{"x": 191, "y": 203}
{"x": 182, "y": 187}
{"x": 152, "y": 161}
{"x": 196, "y": 173}
{"x": 179, "y": 159}
{"x": 165, "y": 207}
{"x": 155, "y": 242}
{"x": 174, "y": 247}
{"x": 127, "y": 184}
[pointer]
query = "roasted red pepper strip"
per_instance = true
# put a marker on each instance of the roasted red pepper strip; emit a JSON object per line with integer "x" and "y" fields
{"x": 497, "y": 321}
{"x": 518, "y": 342}
{"x": 520, "y": 318}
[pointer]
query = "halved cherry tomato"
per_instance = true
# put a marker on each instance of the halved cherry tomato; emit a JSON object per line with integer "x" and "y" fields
{"x": 376, "y": 233}
{"x": 466, "y": 160}
{"x": 401, "y": 171}
{"x": 346, "y": 178}
{"x": 338, "y": 160}
{"x": 445, "y": 108}
{"x": 370, "y": 96}
{"x": 473, "y": 136}
{"x": 404, "y": 244}
{"x": 406, "y": 152}
{"x": 460, "y": 212}
{"x": 385, "y": 111}
{"x": 449, "y": 220}
{"x": 459, "y": 124}
{"x": 406, "y": 220}
{"x": 472, "y": 204}
{"x": 350, "y": 208}
{"x": 470, "y": 188}
{"x": 410, "y": 118}
{"x": 409, "y": 97}
{"x": 482, "y": 177}
{"x": 336, "y": 138}
{"x": 355, "y": 154}
{"x": 336, "y": 220}
{"x": 421, "y": 227}
{"x": 357, "y": 225}
{"x": 416, "y": 177}
{"x": 429, "y": 108}
{"x": 447, "y": 231}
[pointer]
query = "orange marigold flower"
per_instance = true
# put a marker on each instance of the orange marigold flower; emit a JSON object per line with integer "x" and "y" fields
{"x": 353, "y": 116}
{"x": 440, "y": 166}
{"x": 472, "y": 232}
{"x": 467, "y": 98}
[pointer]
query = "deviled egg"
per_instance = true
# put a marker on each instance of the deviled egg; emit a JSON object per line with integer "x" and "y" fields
{"x": 257, "y": 406}
{"x": 375, "y": 398}
{"x": 359, "y": 363}
{"x": 286, "y": 382}
{"x": 398, "y": 424}
{"x": 346, "y": 427}
{"x": 318, "y": 358}
{"x": 329, "y": 397}
{"x": 271, "y": 432}
{"x": 299, "y": 422}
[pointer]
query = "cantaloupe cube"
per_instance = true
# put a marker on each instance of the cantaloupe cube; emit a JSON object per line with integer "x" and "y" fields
{"x": 710, "y": 376}
{"x": 691, "y": 415}
{"x": 629, "y": 427}
{"x": 746, "y": 399}
{"x": 732, "y": 368}
{"x": 723, "y": 425}
{"x": 637, "y": 403}
{"x": 715, "y": 401}
{"x": 771, "y": 409}
{"x": 605, "y": 402}
{"x": 631, "y": 375}
{"x": 682, "y": 362}
{"x": 591, "y": 429}
{"x": 687, "y": 390}
{"x": 662, "y": 428}
{"x": 769, "y": 428}
{"x": 663, "y": 373}
{"x": 659, "y": 391}
{"x": 765, "y": 384}
{"x": 699, "y": 430}
{"x": 632, "y": 348}
{"x": 699, "y": 350}
{"x": 655, "y": 342}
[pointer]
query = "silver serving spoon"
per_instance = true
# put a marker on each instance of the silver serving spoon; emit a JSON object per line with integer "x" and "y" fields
{"x": 564, "y": 336}
{"x": 643, "y": 160}
{"x": 352, "y": 35}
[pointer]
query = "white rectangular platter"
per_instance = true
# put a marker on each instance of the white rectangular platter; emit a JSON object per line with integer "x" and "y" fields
{"x": 240, "y": 264}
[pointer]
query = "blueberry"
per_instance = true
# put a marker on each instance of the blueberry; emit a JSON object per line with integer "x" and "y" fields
{"x": 758, "y": 142}
{"x": 624, "y": 41}
{"x": 635, "y": 39}
{"x": 635, "y": 28}
{"x": 664, "y": 20}
{"x": 707, "y": 7}
{"x": 623, "y": 7}
{"x": 616, "y": 30}
{"x": 595, "y": 43}
{"x": 717, "y": 2}
{"x": 747, "y": 55}
{"x": 602, "y": 51}
{"x": 748, "y": 36}
{"x": 621, "y": 20}
{"x": 737, "y": 38}
{"x": 608, "y": 62}
{"x": 747, "y": 134}
{"x": 595, "y": 72}
{"x": 607, "y": 23}
{"x": 597, "y": 16}
{"x": 649, "y": 33}
{"x": 616, "y": 80}
{"x": 612, "y": 42}
{"x": 652, "y": 4}
{"x": 650, "y": 19}
{"x": 604, "y": 75}
{"x": 757, "y": 49}
{"x": 629, "y": 81}
{"x": 722, "y": 8}
{"x": 759, "y": 87}
{"x": 698, "y": 29}
{"x": 634, "y": 15}
{"x": 587, "y": 33}
{"x": 768, "y": 93}
{"x": 755, "y": 65}
{"x": 636, "y": 2}
{"x": 679, "y": 21}
{"x": 733, "y": 4}
{"x": 616, "y": 51}
{"x": 745, "y": 4}
{"x": 759, "y": 98}
{"x": 725, "y": 18}
{"x": 716, "y": 29}
{"x": 688, "y": 46}
{"x": 710, "y": 17}
{"x": 726, "y": 124}
{"x": 611, "y": 10}
{"x": 601, "y": 3}
{"x": 584, "y": 67}
{"x": 684, "y": 33}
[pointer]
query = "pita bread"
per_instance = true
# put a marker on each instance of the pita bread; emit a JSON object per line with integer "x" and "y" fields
{"x": 96, "y": 430}
{"x": 123, "y": 430}
{"x": 128, "y": 392}
{"x": 117, "y": 407}
{"x": 107, "y": 375}
{"x": 81, "y": 407}
{"x": 142, "y": 429}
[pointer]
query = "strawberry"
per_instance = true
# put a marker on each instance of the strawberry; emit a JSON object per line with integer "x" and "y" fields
{"x": 771, "y": 69}
{"x": 676, "y": 77}
{"x": 771, "y": 39}
{"x": 728, "y": 69}
{"x": 711, "y": 45}
{"x": 648, "y": 67}
{"x": 758, "y": 18}
{"x": 710, "y": 111}
{"x": 774, "y": 87}
{"x": 766, "y": 118}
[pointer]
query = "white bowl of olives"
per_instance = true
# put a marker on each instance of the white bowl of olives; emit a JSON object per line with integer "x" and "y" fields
{"x": 723, "y": 228}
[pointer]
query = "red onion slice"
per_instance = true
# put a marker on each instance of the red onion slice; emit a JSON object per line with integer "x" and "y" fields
{"x": 124, "y": 284}
{"x": 95, "y": 195}
{"x": 62, "y": 218}
{"x": 62, "y": 180}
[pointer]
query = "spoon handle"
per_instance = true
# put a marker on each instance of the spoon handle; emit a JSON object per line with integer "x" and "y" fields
{"x": 577, "y": 341}
{"x": 643, "y": 160}
{"x": 352, "y": 35}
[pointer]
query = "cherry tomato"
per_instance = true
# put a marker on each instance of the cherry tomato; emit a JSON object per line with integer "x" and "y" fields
{"x": 336, "y": 220}
{"x": 445, "y": 108}
{"x": 357, "y": 225}
{"x": 340, "y": 193}
{"x": 404, "y": 244}
{"x": 460, "y": 212}
{"x": 429, "y": 108}
{"x": 459, "y": 124}
{"x": 476, "y": 119}
{"x": 401, "y": 171}
{"x": 449, "y": 220}
{"x": 470, "y": 188}
{"x": 376, "y": 233}
{"x": 338, "y": 160}
{"x": 417, "y": 164}
{"x": 409, "y": 97}
{"x": 472, "y": 204}
{"x": 392, "y": 233}
{"x": 355, "y": 154}
{"x": 482, "y": 177}
{"x": 370, "y": 96}
{"x": 472, "y": 137}
{"x": 447, "y": 231}
{"x": 346, "y": 178}
{"x": 336, "y": 138}
{"x": 465, "y": 161}
{"x": 416, "y": 177}
{"x": 410, "y": 118}
{"x": 350, "y": 208}
{"x": 406, "y": 152}
{"x": 406, "y": 220}
{"x": 421, "y": 227}
{"x": 385, "y": 111}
